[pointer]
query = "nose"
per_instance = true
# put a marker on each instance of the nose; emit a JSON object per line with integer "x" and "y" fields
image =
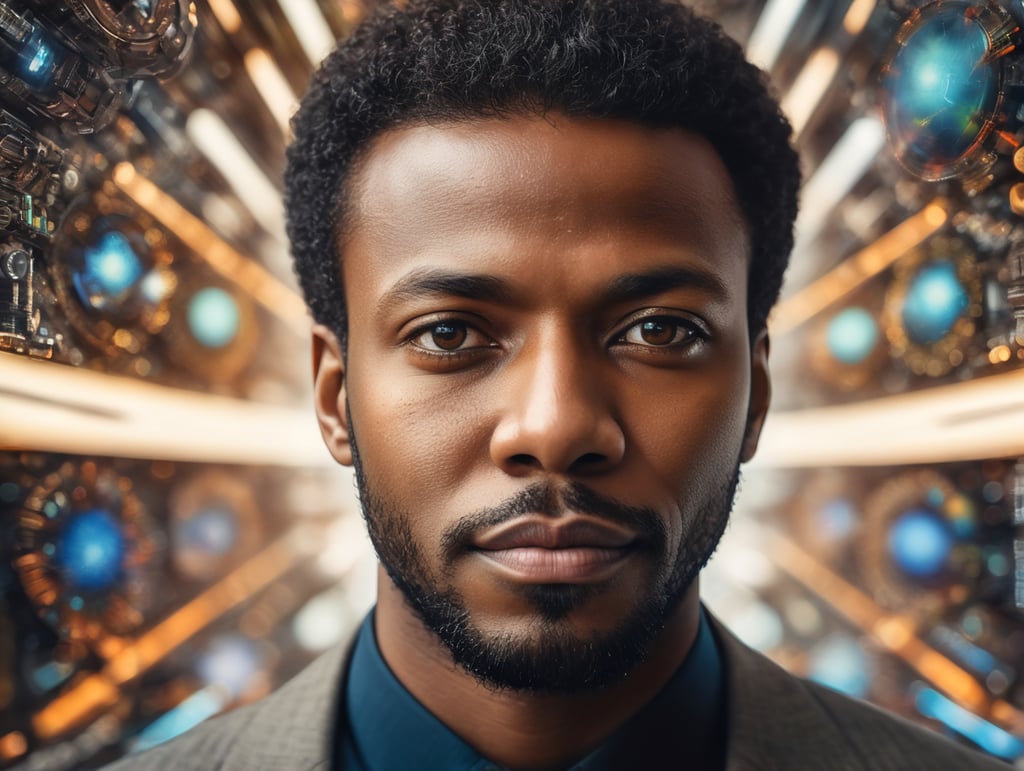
{"x": 557, "y": 416}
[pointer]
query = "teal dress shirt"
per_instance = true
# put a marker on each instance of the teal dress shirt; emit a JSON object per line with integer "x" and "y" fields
{"x": 683, "y": 727}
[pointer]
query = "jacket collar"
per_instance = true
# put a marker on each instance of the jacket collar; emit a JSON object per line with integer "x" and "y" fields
{"x": 774, "y": 721}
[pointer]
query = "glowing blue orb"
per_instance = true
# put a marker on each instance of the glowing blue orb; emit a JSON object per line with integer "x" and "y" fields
{"x": 836, "y": 519}
{"x": 212, "y": 531}
{"x": 935, "y": 300}
{"x": 39, "y": 60}
{"x": 941, "y": 88}
{"x": 920, "y": 542}
{"x": 840, "y": 663}
{"x": 231, "y": 662}
{"x": 90, "y": 550}
{"x": 109, "y": 269}
{"x": 851, "y": 335}
{"x": 213, "y": 317}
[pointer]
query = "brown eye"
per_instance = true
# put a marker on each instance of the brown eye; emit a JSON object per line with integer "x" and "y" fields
{"x": 658, "y": 332}
{"x": 448, "y": 336}
{"x": 662, "y": 332}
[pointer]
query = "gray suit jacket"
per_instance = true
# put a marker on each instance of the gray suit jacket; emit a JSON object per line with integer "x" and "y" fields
{"x": 777, "y": 722}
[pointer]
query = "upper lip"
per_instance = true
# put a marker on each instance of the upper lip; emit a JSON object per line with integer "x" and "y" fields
{"x": 548, "y": 533}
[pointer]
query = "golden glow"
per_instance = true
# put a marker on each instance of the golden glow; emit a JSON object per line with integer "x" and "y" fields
{"x": 895, "y": 633}
{"x": 809, "y": 87}
{"x": 1000, "y": 354}
{"x": 86, "y": 699}
{"x": 271, "y": 85}
{"x": 854, "y": 271}
{"x": 967, "y": 421}
{"x": 352, "y": 10}
{"x": 857, "y": 16}
{"x": 12, "y": 745}
{"x": 1017, "y": 199}
{"x": 78, "y": 411}
{"x": 96, "y": 693}
{"x": 248, "y": 275}
{"x": 227, "y": 15}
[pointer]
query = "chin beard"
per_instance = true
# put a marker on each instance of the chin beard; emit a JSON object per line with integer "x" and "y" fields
{"x": 549, "y": 657}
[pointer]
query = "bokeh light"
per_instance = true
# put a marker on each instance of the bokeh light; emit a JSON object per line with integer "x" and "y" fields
{"x": 935, "y": 300}
{"x": 213, "y": 317}
{"x": 852, "y": 335}
{"x": 920, "y": 543}
{"x": 90, "y": 550}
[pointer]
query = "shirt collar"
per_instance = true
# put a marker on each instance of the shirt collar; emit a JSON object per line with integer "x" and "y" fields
{"x": 389, "y": 728}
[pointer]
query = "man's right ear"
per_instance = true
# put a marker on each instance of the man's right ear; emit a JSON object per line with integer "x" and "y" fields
{"x": 329, "y": 393}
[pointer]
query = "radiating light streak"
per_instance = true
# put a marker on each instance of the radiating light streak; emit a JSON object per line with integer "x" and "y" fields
{"x": 809, "y": 88}
{"x": 264, "y": 73}
{"x": 773, "y": 28}
{"x": 895, "y": 633}
{"x": 857, "y": 16}
{"x": 73, "y": 410}
{"x": 967, "y": 421}
{"x": 272, "y": 86}
{"x": 98, "y": 692}
{"x": 990, "y": 738}
{"x": 226, "y": 14}
{"x": 844, "y": 166}
{"x": 310, "y": 27}
{"x": 248, "y": 275}
{"x": 218, "y": 143}
{"x": 862, "y": 266}
{"x": 190, "y": 712}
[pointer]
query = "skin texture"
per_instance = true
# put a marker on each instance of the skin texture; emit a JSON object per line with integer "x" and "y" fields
{"x": 605, "y": 349}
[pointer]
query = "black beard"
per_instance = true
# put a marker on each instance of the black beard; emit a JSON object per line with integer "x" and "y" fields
{"x": 556, "y": 661}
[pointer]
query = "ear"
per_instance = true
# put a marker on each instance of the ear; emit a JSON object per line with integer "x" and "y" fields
{"x": 760, "y": 394}
{"x": 329, "y": 393}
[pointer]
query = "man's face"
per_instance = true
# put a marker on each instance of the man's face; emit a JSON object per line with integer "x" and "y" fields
{"x": 551, "y": 380}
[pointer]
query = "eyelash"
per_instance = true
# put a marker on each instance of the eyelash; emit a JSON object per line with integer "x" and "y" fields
{"x": 694, "y": 333}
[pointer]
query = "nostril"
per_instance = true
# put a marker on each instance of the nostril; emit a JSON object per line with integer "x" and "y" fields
{"x": 523, "y": 459}
{"x": 591, "y": 459}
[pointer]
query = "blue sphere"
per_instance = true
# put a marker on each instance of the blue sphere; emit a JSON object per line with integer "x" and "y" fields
{"x": 852, "y": 335}
{"x": 212, "y": 531}
{"x": 213, "y": 317}
{"x": 941, "y": 88}
{"x": 90, "y": 550}
{"x": 840, "y": 663}
{"x": 935, "y": 300}
{"x": 107, "y": 271}
{"x": 920, "y": 543}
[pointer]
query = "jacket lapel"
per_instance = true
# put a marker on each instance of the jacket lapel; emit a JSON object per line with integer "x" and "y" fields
{"x": 775, "y": 722}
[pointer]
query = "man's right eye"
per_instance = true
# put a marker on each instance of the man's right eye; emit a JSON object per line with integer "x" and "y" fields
{"x": 448, "y": 337}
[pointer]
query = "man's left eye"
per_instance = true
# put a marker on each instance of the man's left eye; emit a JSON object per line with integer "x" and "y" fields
{"x": 659, "y": 333}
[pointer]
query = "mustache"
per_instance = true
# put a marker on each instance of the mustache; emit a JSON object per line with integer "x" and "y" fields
{"x": 545, "y": 499}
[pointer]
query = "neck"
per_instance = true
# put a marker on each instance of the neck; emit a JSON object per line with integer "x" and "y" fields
{"x": 515, "y": 728}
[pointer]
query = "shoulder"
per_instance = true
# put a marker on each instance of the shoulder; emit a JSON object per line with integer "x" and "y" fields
{"x": 780, "y": 721}
{"x": 290, "y": 730}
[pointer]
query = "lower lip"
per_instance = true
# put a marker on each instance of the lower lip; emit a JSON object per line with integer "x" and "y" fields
{"x": 553, "y": 566}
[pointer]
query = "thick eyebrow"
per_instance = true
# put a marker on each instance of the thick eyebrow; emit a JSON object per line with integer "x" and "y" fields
{"x": 636, "y": 286}
{"x": 434, "y": 282}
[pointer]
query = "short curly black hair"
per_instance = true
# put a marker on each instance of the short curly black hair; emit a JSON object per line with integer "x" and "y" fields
{"x": 654, "y": 62}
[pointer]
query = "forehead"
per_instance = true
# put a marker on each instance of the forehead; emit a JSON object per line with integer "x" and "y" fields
{"x": 553, "y": 184}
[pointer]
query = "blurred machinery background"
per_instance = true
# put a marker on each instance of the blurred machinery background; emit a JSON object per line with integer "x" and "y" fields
{"x": 175, "y": 542}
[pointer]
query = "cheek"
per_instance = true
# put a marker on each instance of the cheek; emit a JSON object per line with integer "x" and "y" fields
{"x": 418, "y": 437}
